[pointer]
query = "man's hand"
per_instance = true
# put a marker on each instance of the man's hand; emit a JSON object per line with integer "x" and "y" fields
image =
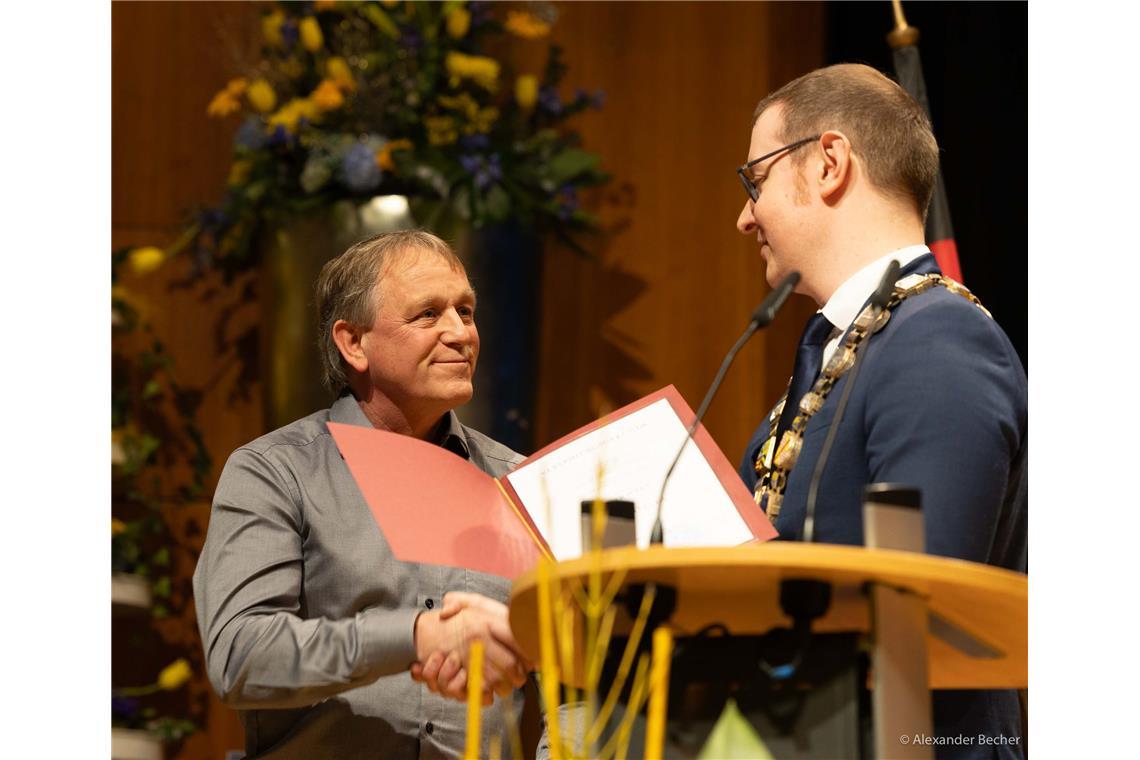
{"x": 443, "y": 641}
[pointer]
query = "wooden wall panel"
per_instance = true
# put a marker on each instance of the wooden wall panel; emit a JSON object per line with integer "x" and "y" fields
{"x": 168, "y": 59}
{"x": 673, "y": 283}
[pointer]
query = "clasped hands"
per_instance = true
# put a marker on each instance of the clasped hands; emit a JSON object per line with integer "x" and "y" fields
{"x": 443, "y": 644}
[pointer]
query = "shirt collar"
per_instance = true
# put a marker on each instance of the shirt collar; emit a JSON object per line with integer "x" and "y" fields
{"x": 451, "y": 436}
{"x": 845, "y": 303}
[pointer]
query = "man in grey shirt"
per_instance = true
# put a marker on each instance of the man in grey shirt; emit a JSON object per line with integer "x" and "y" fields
{"x": 309, "y": 623}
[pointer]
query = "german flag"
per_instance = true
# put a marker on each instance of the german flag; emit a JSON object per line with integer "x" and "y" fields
{"x": 908, "y": 68}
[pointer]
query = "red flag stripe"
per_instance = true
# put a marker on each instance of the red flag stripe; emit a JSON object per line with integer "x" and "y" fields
{"x": 946, "y": 254}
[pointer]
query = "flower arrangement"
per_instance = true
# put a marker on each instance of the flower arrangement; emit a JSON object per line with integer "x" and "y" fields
{"x": 152, "y": 429}
{"x": 352, "y": 100}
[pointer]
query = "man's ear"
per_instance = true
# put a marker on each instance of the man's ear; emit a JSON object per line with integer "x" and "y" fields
{"x": 837, "y": 167}
{"x": 348, "y": 338}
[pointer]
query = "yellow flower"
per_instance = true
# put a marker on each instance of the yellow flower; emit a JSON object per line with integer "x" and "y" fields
{"x": 261, "y": 96}
{"x": 146, "y": 259}
{"x": 117, "y": 526}
{"x": 338, "y": 71}
{"x": 480, "y": 69}
{"x": 327, "y": 96}
{"x": 384, "y": 155}
{"x": 290, "y": 114}
{"x": 239, "y": 173}
{"x": 458, "y": 22}
{"x": 311, "y": 36}
{"x": 441, "y": 130}
{"x": 174, "y": 675}
{"x": 482, "y": 121}
{"x": 271, "y": 28}
{"x": 526, "y": 91}
{"x": 523, "y": 24}
{"x": 223, "y": 105}
{"x": 236, "y": 86}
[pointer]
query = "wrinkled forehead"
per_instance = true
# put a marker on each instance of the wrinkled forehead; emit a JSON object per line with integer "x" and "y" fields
{"x": 416, "y": 269}
{"x": 412, "y": 259}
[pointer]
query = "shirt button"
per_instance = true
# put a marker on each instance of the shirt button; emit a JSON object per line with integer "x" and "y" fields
{"x": 429, "y": 604}
{"x": 429, "y": 728}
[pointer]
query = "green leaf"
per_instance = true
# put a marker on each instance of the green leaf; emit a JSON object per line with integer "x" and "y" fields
{"x": 498, "y": 203}
{"x": 162, "y": 557}
{"x": 151, "y": 389}
{"x": 162, "y": 587}
{"x": 568, "y": 164}
{"x": 733, "y": 737}
{"x": 381, "y": 21}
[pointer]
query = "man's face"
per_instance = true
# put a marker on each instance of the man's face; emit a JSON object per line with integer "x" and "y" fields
{"x": 779, "y": 218}
{"x": 423, "y": 344}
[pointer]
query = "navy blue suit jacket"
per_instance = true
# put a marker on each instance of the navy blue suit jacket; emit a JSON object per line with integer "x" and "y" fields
{"x": 940, "y": 404}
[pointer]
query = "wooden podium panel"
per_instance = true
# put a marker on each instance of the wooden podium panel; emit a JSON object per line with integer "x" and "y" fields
{"x": 739, "y": 587}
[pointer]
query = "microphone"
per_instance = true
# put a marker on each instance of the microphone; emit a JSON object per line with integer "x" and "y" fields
{"x": 878, "y": 302}
{"x": 761, "y": 317}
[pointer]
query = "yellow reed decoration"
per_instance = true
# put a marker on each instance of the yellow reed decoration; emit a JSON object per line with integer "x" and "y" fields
{"x": 624, "y": 666}
{"x": 548, "y": 665}
{"x": 618, "y": 745}
{"x": 474, "y": 699}
{"x": 513, "y": 728}
{"x": 658, "y": 693}
{"x": 564, "y": 620}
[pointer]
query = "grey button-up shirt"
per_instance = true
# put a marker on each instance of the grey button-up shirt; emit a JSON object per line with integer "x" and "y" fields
{"x": 306, "y": 616}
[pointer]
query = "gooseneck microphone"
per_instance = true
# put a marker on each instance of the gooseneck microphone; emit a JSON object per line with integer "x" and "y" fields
{"x": 878, "y": 302}
{"x": 761, "y": 317}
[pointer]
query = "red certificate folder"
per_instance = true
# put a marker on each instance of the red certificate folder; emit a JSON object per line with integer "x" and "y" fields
{"x": 437, "y": 508}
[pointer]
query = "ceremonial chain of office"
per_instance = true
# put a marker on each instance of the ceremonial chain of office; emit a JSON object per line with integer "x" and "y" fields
{"x": 773, "y": 470}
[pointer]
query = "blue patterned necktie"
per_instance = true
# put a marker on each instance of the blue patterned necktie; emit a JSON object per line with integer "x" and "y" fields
{"x": 809, "y": 357}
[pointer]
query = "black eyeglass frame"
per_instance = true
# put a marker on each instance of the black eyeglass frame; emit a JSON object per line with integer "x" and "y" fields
{"x": 742, "y": 171}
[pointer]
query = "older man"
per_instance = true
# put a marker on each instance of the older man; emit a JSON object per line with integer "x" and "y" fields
{"x": 309, "y": 622}
{"x": 841, "y": 168}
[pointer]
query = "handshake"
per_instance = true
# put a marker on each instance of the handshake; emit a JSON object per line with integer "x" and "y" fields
{"x": 443, "y": 642}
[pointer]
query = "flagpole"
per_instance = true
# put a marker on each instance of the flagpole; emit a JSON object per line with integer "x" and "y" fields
{"x": 903, "y": 40}
{"x": 903, "y": 34}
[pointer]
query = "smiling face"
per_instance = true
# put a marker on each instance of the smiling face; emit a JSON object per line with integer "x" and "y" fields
{"x": 780, "y": 217}
{"x": 422, "y": 347}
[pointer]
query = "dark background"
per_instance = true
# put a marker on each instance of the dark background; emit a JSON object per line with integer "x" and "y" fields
{"x": 974, "y": 58}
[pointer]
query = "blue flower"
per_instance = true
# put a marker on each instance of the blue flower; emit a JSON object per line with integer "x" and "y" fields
{"x": 474, "y": 143}
{"x": 250, "y": 134}
{"x": 567, "y": 202}
{"x": 485, "y": 170}
{"x": 289, "y": 33}
{"x": 280, "y": 136}
{"x": 124, "y": 708}
{"x": 410, "y": 38}
{"x": 480, "y": 11}
{"x": 470, "y": 164}
{"x": 549, "y": 101}
{"x": 359, "y": 169}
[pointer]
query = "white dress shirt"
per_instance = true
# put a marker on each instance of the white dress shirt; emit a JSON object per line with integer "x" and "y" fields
{"x": 848, "y": 299}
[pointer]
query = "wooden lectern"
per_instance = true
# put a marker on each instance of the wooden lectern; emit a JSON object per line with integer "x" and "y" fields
{"x": 974, "y": 633}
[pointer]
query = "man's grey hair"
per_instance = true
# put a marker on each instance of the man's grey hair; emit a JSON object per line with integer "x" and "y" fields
{"x": 348, "y": 288}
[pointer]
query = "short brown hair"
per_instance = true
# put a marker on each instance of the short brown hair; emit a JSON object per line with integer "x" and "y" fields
{"x": 348, "y": 288}
{"x": 887, "y": 128}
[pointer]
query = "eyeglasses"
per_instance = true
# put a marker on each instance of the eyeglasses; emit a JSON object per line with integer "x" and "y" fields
{"x": 742, "y": 172}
